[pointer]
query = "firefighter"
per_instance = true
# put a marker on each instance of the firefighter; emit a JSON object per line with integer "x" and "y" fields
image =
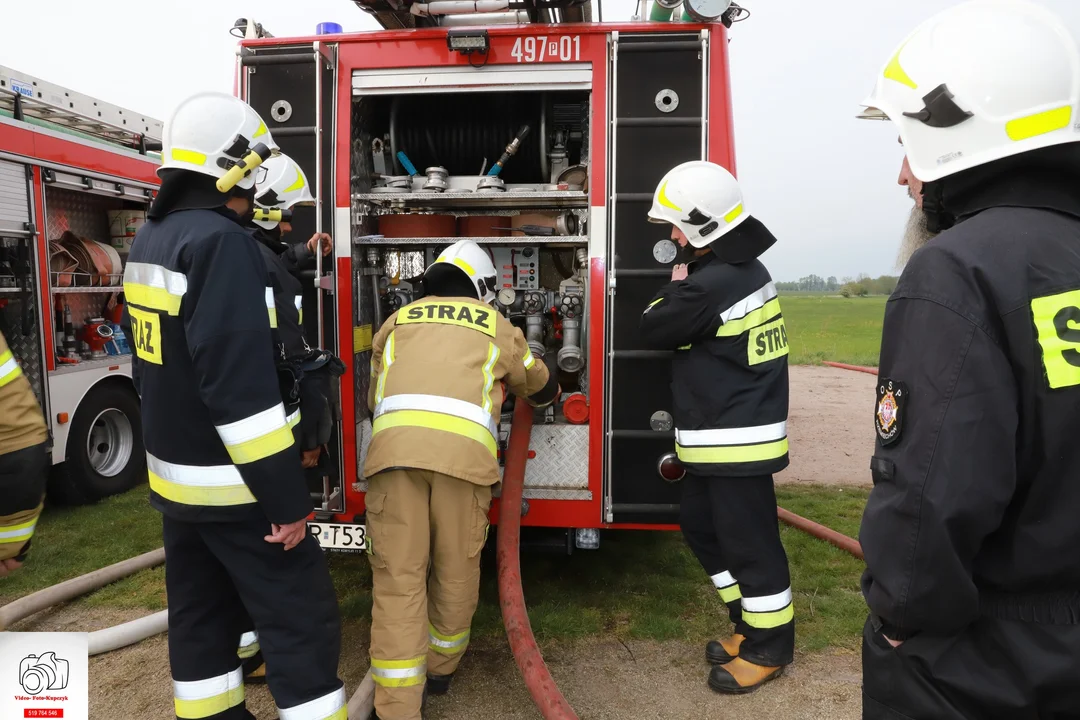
{"x": 308, "y": 402}
{"x": 223, "y": 465}
{"x": 721, "y": 315}
{"x": 24, "y": 462}
{"x": 970, "y": 532}
{"x": 435, "y": 398}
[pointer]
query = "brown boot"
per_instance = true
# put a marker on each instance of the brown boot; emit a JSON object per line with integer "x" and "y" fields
{"x": 739, "y": 677}
{"x": 721, "y": 652}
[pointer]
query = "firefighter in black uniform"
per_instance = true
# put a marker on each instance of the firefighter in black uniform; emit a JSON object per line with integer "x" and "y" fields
{"x": 223, "y": 465}
{"x": 721, "y": 316}
{"x": 308, "y": 400}
{"x": 971, "y": 531}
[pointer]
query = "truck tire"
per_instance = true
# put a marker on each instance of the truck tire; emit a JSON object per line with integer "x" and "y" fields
{"x": 105, "y": 454}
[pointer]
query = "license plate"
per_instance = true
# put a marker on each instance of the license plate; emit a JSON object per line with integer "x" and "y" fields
{"x": 340, "y": 537}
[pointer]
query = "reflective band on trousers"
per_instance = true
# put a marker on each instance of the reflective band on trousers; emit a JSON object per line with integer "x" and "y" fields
{"x": 9, "y": 368}
{"x": 17, "y": 533}
{"x": 447, "y": 644}
{"x": 399, "y": 673}
{"x": 293, "y": 419}
{"x": 210, "y": 485}
{"x": 257, "y": 436}
{"x": 437, "y": 413}
{"x": 271, "y": 308}
{"x": 732, "y": 445}
{"x": 203, "y": 698}
{"x": 768, "y": 611}
{"x": 726, "y": 587}
{"x": 328, "y": 707}
{"x": 249, "y": 645}
{"x": 154, "y": 287}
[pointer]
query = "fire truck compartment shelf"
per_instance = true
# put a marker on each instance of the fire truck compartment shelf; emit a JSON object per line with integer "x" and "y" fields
{"x": 530, "y": 240}
{"x": 537, "y": 199}
{"x": 118, "y": 360}
{"x": 86, "y": 290}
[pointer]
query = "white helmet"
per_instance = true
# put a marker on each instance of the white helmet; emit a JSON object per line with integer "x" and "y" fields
{"x": 700, "y": 198}
{"x": 474, "y": 261}
{"x": 218, "y": 135}
{"x": 283, "y": 187}
{"x": 978, "y": 82}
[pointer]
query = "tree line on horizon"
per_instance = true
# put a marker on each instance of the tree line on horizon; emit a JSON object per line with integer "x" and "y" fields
{"x": 859, "y": 286}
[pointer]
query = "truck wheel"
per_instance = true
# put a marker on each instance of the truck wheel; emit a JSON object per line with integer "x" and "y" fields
{"x": 105, "y": 452}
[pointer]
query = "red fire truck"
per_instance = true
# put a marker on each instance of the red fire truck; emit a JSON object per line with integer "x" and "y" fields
{"x": 541, "y": 135}
{"x": 75, "y": 182}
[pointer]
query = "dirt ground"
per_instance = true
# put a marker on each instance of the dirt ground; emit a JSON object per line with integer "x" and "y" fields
{"x": 832, "y": 439}
{"x": 830, "y": 426}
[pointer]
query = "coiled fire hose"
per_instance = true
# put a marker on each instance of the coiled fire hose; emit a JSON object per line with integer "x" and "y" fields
{"x": 545, "y": 693}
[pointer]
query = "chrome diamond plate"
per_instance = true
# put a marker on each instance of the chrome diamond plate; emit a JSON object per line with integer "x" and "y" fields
{"x": 562, "y": 459}
{"x": 82, "y": 213}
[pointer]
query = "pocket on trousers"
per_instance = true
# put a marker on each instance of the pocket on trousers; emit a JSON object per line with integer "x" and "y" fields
{"x": 480, "y": 526}
{"x": 374, "y": 504}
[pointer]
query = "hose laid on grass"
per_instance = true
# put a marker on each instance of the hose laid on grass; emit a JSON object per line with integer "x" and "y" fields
{"x": 857, "y": 368}
{"x": 69, "y": 589}
{"x": 129, "y": 633}
{"x": 545, "y": 693}
{"x": 821, "y": 532}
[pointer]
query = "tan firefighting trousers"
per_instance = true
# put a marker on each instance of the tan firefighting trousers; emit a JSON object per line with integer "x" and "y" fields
{"x": 426, "y": 531}
{"x": 16, "y": 530}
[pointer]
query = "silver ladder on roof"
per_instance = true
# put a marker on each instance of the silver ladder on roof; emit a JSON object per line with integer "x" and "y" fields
{"x": 26, "y": 96}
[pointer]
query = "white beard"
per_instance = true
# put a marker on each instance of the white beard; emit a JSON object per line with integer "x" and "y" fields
{"x": 916, "y": 235}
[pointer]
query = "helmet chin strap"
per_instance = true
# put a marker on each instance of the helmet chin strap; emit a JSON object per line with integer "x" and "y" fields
{"x": 938, "y": 219}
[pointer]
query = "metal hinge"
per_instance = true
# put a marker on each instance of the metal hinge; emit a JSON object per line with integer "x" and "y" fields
{"x": 326, "y": 282}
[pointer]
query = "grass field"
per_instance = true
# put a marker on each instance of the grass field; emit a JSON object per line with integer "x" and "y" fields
{"x": 639, "y": 584}
{"x": 823, "y": 327}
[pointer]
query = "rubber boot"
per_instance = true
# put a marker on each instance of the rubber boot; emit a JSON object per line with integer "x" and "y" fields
{"x": 721, "y": 652}
{"x": 439, "y": 684}
{"x": 254, "y": 670}
{"x": 739, "y": 677}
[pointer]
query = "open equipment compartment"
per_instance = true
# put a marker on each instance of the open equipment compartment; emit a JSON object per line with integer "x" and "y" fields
{"x": 532, "y": 216}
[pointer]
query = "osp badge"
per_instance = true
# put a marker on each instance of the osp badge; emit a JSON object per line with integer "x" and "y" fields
{"x": 891, "y": 398}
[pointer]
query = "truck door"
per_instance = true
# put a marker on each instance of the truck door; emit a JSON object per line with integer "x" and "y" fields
{"x": 294, "y": 89}
{"x": 659, "y": 99}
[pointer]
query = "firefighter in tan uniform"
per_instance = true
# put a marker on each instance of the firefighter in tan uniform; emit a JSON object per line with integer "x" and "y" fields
{"x": 435, "y": 396}
{"x": 24, "y": 462}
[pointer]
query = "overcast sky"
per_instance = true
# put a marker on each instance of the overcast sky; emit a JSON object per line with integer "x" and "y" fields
{"x": 824, "y": 182}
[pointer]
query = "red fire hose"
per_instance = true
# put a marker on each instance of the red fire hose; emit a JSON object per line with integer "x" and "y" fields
{"x": 857, "y": 368}
{"x": 821, "y": 532}
{"x": 545, "y": 693}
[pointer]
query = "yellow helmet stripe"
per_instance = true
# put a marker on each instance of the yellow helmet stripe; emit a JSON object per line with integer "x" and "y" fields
{"x": 895, "y": 71}
{"x": 1039, "y": 123}
{"x": 188, "y": 156}
{"x": 299, "y": 182}
{"x": 734, "y": 213}
{"x": 464, "y": 266}
{"x": 663, "y": 199}
{"x": 260, "y": 131}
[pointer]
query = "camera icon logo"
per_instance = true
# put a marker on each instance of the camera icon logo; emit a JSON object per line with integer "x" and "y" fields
{"x": 38, "y": 673}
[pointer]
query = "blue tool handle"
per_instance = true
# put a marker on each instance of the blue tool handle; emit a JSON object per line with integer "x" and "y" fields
{"x": 495, "y": 169}
{"x": 404, "y": 160}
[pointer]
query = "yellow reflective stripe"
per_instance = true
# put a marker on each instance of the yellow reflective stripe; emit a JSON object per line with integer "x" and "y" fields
{"x": 662, "y": 198}
{"x": 1055, "y": 317}
{"x": 258, "y": 436}
{"x": 298, "y": 301}
{"x": 298, "y": 183}
{"x": 767, "y": 342}
{"x": 895, "y": 71}
{"x": 1039, "y": 123}
{"x": 683, "y": 347}
{"x": 328, "y": 707}
{"x": 400, "y": 673}
{"x": 17, "y": 533}
{"x": 271, "y": 307}
{"x": 9, "y": 368}
{"x": 388, "y": 360}
{"x": 260, "y": 131}
{"x": 188, "y": 156}
{"x": 732, "y": 454}
{"x": 654, "y": 303}
{"x": 489, "y": 374}
{"x": 262, "y": 447}
{"x": 292, "y": 420}
{"x": 247, "y": 651}
{"x": 528, "y": 360}
{"x": 751, "y": 319}
{"x": 435, "y": 421}
{"x": 735, "y": 212}
{"x": 766, "y": 620}
{"x": 152, "y": 298}
{"x": 730, "y": 594}
{"x": 447, "y": 644}
{"x": 209, "y": 495}
{"x": 204, "y": 698}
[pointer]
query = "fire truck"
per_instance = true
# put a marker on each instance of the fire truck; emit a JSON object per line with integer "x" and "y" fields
{"x": 540, "y": 132}
{"x": 76, "y": 177}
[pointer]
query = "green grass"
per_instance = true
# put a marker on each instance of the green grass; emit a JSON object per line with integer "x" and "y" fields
{"x": 822, "y": 327}
{"x": 639, "y": 584}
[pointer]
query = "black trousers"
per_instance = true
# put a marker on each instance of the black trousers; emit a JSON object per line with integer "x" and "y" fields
{"x": 730, "y": 524}
{"x": 222, "y": 576}
{"x": 23, "y": 474}
{"x": 999, "y": 667}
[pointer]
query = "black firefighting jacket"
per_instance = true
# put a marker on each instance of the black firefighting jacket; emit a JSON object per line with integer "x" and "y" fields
{"x": 974, "y": 506}
{"x": 729, "y": 375}
{"x": 198, "y": 312}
